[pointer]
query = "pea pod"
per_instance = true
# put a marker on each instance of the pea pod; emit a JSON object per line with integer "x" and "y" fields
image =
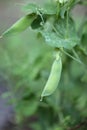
{"x": 20, "y": 25}
{"x": 54, "y": 78}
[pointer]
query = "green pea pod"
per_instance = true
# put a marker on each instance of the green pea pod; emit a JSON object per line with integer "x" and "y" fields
{"x": 20, "y": 25}
{"x": 54, "y": 78}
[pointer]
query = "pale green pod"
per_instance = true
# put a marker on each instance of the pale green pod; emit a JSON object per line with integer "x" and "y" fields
{"x": 54, "y": 78}
{"x": 62, "y": 1}
{"x": 21, "y": 25}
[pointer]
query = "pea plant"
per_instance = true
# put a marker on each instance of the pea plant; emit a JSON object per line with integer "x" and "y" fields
{"x": 53, "y": 23}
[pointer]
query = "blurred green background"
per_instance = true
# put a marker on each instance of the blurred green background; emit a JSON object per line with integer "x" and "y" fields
{"x": 25, "y": 64}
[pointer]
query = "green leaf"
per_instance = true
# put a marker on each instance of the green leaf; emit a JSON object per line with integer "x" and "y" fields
{"x": 27, "y": 108}
{"x": 31, "y": 8}
{"x": 47, "y": 8}
{"x": 61, "y": 34}
{"x": 37, "y": 22}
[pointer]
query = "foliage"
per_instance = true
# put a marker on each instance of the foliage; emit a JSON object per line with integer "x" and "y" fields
{"x": 26, "y": 62}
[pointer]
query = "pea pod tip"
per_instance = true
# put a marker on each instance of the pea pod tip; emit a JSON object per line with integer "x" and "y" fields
{"x": 1, "y": 36}
{"x": 41, "y": 99}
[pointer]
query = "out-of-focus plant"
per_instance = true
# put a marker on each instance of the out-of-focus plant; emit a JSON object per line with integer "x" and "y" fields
{"x": 26, "y": 64}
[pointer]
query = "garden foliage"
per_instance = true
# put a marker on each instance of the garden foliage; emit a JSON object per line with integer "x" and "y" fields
{"x": 26, "y": 60}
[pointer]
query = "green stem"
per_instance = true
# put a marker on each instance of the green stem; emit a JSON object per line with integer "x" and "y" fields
{"x": 72, "y": 57}
{"x": 55, "y": 30}
{"x": 76, "y": 55}
{"x": 67, "y": 21}
{"x": 58, "y": 9}
{"x": 41, "y": 17}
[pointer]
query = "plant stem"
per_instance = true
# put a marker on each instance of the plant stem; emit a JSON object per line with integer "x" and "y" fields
{"x": 67, "y": 20}
{"x": 72, "y": 57}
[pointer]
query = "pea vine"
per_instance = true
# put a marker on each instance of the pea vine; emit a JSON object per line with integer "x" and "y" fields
{"x": 54, "y": 23}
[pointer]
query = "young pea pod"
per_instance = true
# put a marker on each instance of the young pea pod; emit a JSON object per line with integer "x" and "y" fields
{"x": 54, "y": 78}
{"x": 21, "y": 25}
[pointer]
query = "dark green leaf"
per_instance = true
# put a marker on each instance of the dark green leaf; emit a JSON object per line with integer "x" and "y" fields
{"x": 37, "y": 22}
